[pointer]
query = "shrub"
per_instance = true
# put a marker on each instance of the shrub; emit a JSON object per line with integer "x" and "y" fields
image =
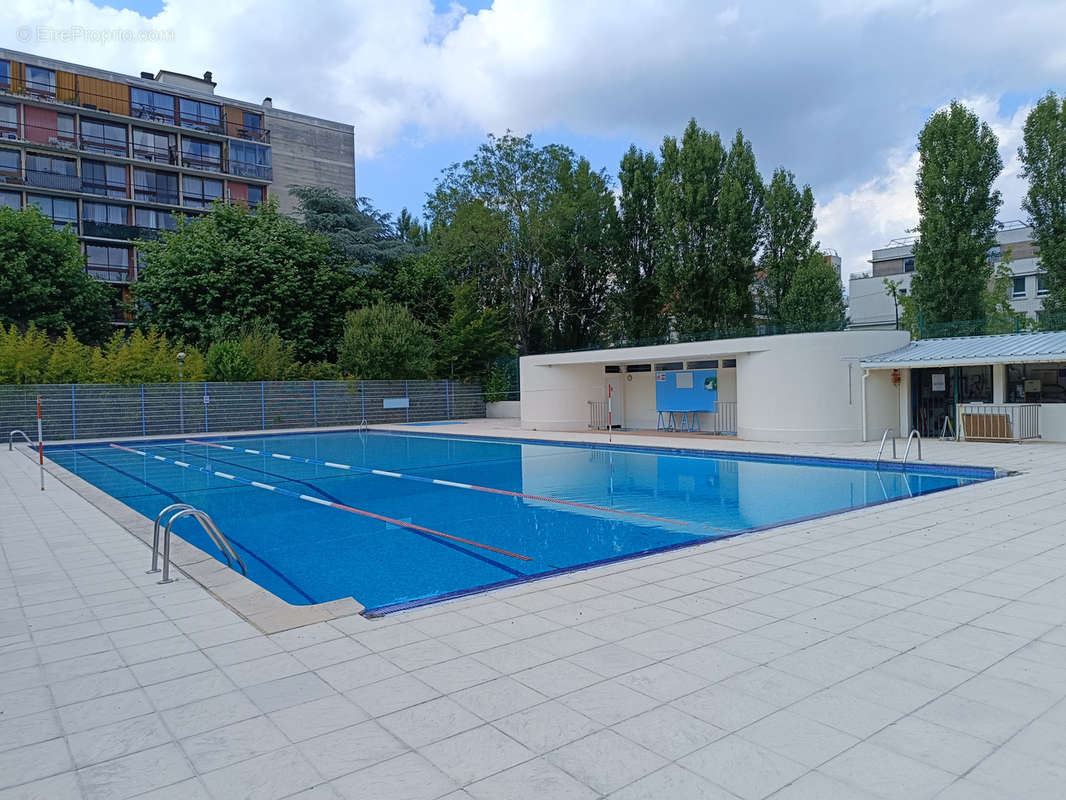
{"x": 226, "y": 361}
{"x": 384, "y": 342}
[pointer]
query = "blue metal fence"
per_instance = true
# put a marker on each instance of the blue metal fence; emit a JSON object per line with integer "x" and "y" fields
{"x": 98, "y": 411}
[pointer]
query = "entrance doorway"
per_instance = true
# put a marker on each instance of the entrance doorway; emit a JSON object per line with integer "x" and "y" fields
{"x": 936, "y": 391}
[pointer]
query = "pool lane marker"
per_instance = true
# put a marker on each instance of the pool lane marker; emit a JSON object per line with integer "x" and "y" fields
{"x": 321, "y": 502}
{"x": 439, "y": 482}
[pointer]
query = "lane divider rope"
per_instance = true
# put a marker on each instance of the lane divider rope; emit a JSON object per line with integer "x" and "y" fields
{"x": 319, "y": 501}
{"x": 437, "y": 481}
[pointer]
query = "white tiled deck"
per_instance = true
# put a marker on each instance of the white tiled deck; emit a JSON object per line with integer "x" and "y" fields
{"x": 911, "y": 650}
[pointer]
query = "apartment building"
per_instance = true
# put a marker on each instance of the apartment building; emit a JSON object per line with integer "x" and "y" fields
{"x": 118, "y": 157}
{"x": 871, "y": 306}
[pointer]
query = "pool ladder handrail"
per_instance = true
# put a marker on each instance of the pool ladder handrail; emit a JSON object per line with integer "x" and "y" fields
{"x": 209, "y": 526}
{"x": 914, "y": 435}
{"x": 11, "y": 439}
{"x": 884, "y": 438}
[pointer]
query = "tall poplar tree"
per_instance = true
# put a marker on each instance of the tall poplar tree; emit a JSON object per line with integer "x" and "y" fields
{"x": 740, "y": 212}
{"x": 958, "y": 162}
{"x": 788, "y": 241}
{"x": 636, "y": 307}
{"x": 1043, "y": 156}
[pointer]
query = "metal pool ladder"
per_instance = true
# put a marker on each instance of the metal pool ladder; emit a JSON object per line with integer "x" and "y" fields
{"x": 884, "y": 439}
{"x": 11, "y": 439}
{"x": 185, "y": 510}
{"x": 914, "y": 435}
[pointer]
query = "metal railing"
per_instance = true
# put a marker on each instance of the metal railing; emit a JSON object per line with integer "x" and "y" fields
{"x": 99, "y": 411}
{"x": 210, "y": 528}
{"x": 11, "y": 439}
{"x": 884, "y": 439}
{"x": 722, "y": 421}
{"x": 914, "y": 435}
{"x": 1003, "y": 422}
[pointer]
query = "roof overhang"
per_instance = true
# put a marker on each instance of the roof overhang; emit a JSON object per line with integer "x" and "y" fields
{"x": 904, "y": 363}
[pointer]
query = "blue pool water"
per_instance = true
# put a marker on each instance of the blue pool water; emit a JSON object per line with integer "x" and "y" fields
{"x": 310, "y": 553}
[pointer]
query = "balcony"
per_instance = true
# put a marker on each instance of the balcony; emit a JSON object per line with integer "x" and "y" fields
{"x": 53, "y": 180}
{"x": 114, "y": 230}
{"x": 109, "y": 274}
{"x": 246, "y": 170}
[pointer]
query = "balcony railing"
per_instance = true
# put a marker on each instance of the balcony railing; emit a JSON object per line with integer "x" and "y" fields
{"x": 115, "y": 230}
{"x": 53, "y": 180}
{"x": 1006, "y": 422}
{"x": 109, "y": 274}
{"x": 246, "y": 170}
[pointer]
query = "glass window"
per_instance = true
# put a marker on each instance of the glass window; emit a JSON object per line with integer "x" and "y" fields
{"x": 9, "y": 119}
{"x": 153, "y": 146}
{"x": 5, "y": 74}
{"x": 146, "y": 104}
{"x": 703, "y": 364}
{"x": 106, "y": 179}
{"x": 60, "y": 210}
{"x": 250, "y": 160}
{"x": 103, "y": 212}
{"x": 1041, "y": 285}
{"x": 200, "y": 192}
{"x": 1018, "y": 286}
{"x": 669, "y": 365}
{"x": 40, "y": 80}
{"x": 108, "y": 263}
{"x": 1036, "y": 383}
{"x": 995, "y": 253}
{"x": 908, "y": 265}
{"x": 157, "y": 187}
{"x": 10, "y": 161}
{"x": 102, "y": 137}
{"x": 151, "y": 218}
{"x": 65, "y": 126}
{"x": 729, "y": 362}
{"x": 52, "y": 172}
{"x": 638, "y": 368}
{"x": 253, "y": 123}
{"x": 199, "y": 115}
{"x": 255, "y": 196}
{"x": 200, "y": 154}
{"x": 10, "y": 200}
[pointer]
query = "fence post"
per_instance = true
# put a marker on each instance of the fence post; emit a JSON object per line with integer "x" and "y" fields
{"x": 207, "y": 428}
{"x": 144, "y": 424}
{"x": 73, "y": 413}
{"x": 262, "y": 405}
{"x": 447, "y": 398}
{"x": 362, "y": 399}
{"x": 314, "y": 401}
{"x": 407, "y": 394}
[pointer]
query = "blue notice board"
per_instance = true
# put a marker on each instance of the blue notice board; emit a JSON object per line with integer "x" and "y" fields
{"x": 687, "y": 390}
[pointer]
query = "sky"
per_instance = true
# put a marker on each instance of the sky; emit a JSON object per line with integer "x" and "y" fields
{"x": 834, "y": 90}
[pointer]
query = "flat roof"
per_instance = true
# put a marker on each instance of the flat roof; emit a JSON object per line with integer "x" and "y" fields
{"x": 1006, "y": 348}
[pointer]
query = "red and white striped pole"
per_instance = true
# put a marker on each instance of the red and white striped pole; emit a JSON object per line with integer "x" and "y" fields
{"x": 610, "y": 421}
{"x": 40, "y": 442}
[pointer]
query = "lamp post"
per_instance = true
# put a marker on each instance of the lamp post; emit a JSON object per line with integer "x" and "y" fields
{"x": 181, "y": 391}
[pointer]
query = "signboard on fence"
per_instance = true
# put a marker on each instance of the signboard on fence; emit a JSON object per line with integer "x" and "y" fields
{"x": 687, "y": 390}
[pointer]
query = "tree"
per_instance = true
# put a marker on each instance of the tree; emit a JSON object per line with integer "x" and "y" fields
{"x": 472, "y": 338}
{"x": 70, "y": 360}
{"x": 1043, "y": 157}
{"x": 23, "y": 356}
{"x": 815, "y": 299}
{"x": 787, "y": 240}
{"x": 740, "y": 213}
{"x": 216, "y": 275}
{"x": 227, "y": 361}
{"x": 384, "y": 342}
{"x": 271, "y": 357}
{"x": 357, "y": 230}
{"x": 958, "y": 162}
{"x": 43, "y": 280}
{"x": 636, "y": 305}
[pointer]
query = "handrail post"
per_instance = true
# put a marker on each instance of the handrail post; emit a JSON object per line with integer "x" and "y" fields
{"x": 914, "y": 435}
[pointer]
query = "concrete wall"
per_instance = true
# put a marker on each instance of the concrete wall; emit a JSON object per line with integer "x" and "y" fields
{"x": 882, "y": 403}
{"x": 309, "y": 152}
{"x": 1053, "y": 422}
{"x": 787, "y": 388}
{"x": 504, "y": 409}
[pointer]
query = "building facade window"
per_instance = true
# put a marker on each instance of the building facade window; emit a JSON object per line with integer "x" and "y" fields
{"x": 995, "y": 254}
{"x": 60, "y": 210}
{"x": 154, "y": 146}
{"x": 1041, "y": 285}
{"x": 155, "y": 187}
{"x": 5, "y": 74}
{"x": 200, "y": 192}
{"x": 106, "y": 179}
{"x": 1036, "y": 383}
{"x": 157, "y": 220}
{"x": 103, "y": 212}
{"x": 10, "y": 200}
{"x": 102, "y": 137}
{"x": 10, "y": 162}
{"x": 256, "y": 195}
{"x": 250, "y": 160}
{"x": 1018, "y": 286}
{"x": 199, "y": 154}
{"x": 146, "y": 104}
{"x": 9, "y": 121}
{"x": 199, "y": 116}
{"x": 52, "y": 172}
{"x": 908, "y": 265}
{"x": 108, "y": 263}
{"x": 252, "y": 125}
{"x": 65, "y": 127}
{"x": 40, "y": 81}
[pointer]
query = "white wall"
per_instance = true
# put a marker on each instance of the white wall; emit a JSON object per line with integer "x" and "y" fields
{"x": 1053, "y": 422}
{"x": 787, "y": 388}
{"x": 882, "y": 403}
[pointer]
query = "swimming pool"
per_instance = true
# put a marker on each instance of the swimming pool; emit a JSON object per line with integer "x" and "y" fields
{"x": 395, "y": 519}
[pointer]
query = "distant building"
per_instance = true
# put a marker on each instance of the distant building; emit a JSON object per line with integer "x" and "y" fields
{"x": 116, "y": 157}
{"x": 870, "y": 306}
{"x": 832, "y": 258}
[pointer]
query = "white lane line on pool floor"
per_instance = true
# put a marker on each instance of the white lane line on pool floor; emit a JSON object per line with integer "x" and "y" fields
{"x": 330, "y": 503}
{"x": 471, "y": 486}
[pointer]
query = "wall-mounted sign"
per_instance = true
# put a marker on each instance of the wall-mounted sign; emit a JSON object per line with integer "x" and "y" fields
{"x": 1033, "y": 386}
{"x": 660, "y": 377}
{"x": 939, "y": 382}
